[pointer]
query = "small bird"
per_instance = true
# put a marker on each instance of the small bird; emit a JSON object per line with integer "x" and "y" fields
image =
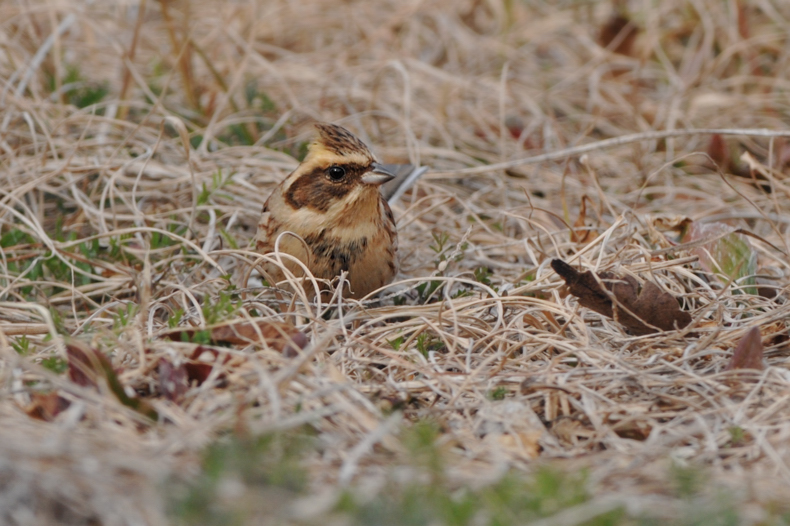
{"x": 332, "y": 201}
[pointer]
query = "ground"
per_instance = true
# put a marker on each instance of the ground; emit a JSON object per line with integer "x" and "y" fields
{"x": 149, "y": 376}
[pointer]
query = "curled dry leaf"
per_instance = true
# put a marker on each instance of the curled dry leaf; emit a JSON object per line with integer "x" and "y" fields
{"x": 585, "y": 287}
{"x": 280, "y": 336}
{"x": 749, "y": 352}
{"x": 89, "y": 367}
{"x": 644, "y": 311}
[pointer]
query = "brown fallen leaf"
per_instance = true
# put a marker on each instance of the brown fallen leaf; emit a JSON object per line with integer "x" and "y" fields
{"x": 748, "y": 354}
{"x": 89, "y": 367}
{"x": 86, "y": 365}
{"x": 724, "y": 155}
{"x": 718, "y": 151}
{"x": 782, "y": 147}
{"x": 280, "y": 336}
{"x": 743, "y": 20}
{"x": 201, "y": 362}
{"x": 46, "y": 406}
{"x": 619, "y": 34}
{"x": 642, "y": 312}
{"x": 173, "y": 381}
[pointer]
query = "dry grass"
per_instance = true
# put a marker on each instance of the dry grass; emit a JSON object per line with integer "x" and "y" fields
{"x": 110, "y": 228}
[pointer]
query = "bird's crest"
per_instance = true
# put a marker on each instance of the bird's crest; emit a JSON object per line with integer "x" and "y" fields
{"x": 335, "y": 143}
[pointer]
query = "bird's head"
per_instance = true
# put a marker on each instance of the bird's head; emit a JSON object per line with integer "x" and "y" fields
{"x": 338, "y": 167}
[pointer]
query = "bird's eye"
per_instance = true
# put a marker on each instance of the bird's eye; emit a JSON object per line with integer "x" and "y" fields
{"x": 336, "y": 173}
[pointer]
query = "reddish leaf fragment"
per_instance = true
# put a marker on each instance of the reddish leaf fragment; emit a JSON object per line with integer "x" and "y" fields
{"x": 46, "y": 406}
{"x": 644, "y": 311}
{"x": 173, "y": 381}
{"x": 283, "y": 337}
{"x": 782, "y": 152}
{"x": 580, "y": 233}
{"x": 725, "y": 157}
{"x": 201, "y": 362}
{"x": 718, "y": 151}
{"x": 86, "y": 365}
{"x": 514, "y": 125}
{"x": 197, "y": 372}
{"x": 749, "y": 352}
{"x": 280, "y": 336}
{"x": 743, "y": 20}
{"x": 89, "y": 367}
{"x": 619, "y": 34}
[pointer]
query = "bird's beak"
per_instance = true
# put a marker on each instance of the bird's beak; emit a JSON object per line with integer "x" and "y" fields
{"x": 377, "y": 175}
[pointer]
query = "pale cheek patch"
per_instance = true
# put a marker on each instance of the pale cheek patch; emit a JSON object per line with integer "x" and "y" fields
{"x": 305, "y": 220}
{"x": 353, "y": 196}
